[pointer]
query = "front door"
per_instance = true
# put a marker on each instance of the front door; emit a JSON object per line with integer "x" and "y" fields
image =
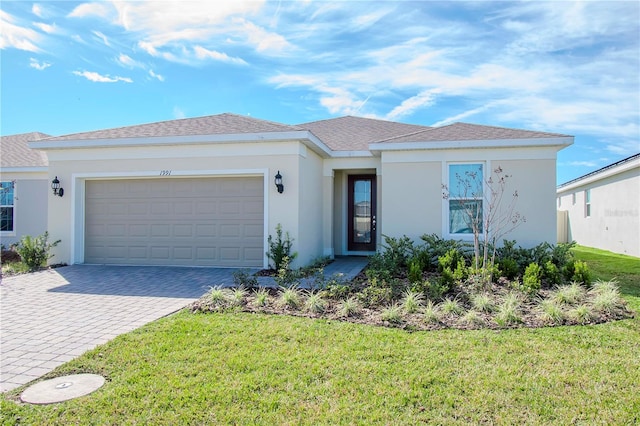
{"x": 362, "y": 213}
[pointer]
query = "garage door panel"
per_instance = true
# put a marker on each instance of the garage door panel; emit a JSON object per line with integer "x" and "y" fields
{"x": 205, "y": 222}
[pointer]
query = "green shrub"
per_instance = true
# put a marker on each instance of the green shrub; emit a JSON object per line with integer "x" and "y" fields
{"x": 472, "y": 319}
{"x": 605, "y": 297}
{"x": 433, "y": 290}
{"x": 237, "y": 296}
{"x": 285, "y": 277}
{"x": 581, "y": 273}
{"x": 290, "y": 297}
{"x": 451, "y": 306}
{"x": 531, "y": 280}
{"x": 280, "y": 248}
{"x": 451, "y": 260}
{"x": 244, "y": 278}
{"x": 34, "y": 252}
{"x": 391, "y": 260}
{"x": 508, "y": 311}
{"x": 349, "y": 307}
{"x": 509, "y": 268}
{"x": 434, "y": 248}
{"x": 431, "y": 313}
{"x": 571, "y": 294}
{"x": 315, "y": 303}
{"x": 483, "y": 302}
{"x": 581, "y": 314}
{"x": 336, "y": 290}
{"x": 261, "y": 297}
{"x": 392, "y": 314}
{"x": 551, "y": 273}
{"x": 415, "y": 271}
{"x": 412, "y": 301}
{"x": 375, "y": 296}
{"x": 551, "y": 312}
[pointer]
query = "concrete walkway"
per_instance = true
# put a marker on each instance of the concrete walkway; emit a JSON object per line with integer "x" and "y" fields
{"x": 50, "y": 317}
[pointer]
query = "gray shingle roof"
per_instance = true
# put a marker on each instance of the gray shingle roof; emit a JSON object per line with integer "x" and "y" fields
{"x": 356, "y": 133}
{"x": 467, "y": 131}
{"x": 210, "y": 125}
{"x": 15, "y": 152}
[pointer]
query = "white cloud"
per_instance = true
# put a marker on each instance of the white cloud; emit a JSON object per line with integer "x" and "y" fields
{"x": 581, "y": 163}
{"x": 202, "y": 53}
{"x": 16, "y": 36}
{"x": 265, "y": 41}
{"x": 40, "y": 66}
{"x": 36, "y": 9}
{"x": 178, "y": 112}
{"x": 128, "y": 61}
{"x": 98, "y": 78}
{"x": 49, "y": 29}
{"x": 408, "y": 106}
{"x": 157, "y": 76}
{"x": 100, "y": 9}
{"x": 102, "y": 37}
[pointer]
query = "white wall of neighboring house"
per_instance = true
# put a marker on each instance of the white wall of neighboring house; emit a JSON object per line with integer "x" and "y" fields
{"x": 31, "y": 190}
{"x": 610, "y": 218}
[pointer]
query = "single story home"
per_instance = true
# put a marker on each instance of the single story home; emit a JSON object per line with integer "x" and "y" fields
{"x": 208, "y": 191}
{"x": 24, "y": 184}
{"x": 602, "y": 209}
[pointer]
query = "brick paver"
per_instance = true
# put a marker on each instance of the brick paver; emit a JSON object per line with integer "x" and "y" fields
{"x": 50, "y": 317}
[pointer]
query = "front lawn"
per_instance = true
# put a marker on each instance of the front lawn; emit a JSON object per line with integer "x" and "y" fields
{"x": 243, "y": 368}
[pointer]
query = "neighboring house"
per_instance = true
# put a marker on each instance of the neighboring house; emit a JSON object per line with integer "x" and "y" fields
{"x": 24, "y": 185}
{"x": 602, "y": 209}
{"x": 200, "y": 191}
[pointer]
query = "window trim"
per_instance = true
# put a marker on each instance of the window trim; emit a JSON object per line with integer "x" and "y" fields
{"x": 11, "y": 233}
{"x": 587, "y": 203}
{"x": 446, "y": 210}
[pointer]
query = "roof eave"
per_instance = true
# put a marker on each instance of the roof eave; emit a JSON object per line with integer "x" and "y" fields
{"x": 559, "y": 142}
{"x": 24, "y": 169}
{"x": 598, "y": 175}
{"x": 169, "y": 140}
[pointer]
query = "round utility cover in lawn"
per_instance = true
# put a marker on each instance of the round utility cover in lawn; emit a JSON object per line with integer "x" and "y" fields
{"x": 62, "y": 388}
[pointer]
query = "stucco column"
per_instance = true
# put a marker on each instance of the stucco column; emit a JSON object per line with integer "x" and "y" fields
{"x": 327, "y": 213}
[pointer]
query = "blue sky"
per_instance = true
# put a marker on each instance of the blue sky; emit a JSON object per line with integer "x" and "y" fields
{"x": 565, "y": 67}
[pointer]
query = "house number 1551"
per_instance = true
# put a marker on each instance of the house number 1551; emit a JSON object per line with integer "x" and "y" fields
{"x": 165, "y": 172}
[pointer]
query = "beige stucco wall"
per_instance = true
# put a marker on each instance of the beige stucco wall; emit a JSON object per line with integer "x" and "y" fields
{"x": 30, "y": 204}
{"x": 413, "y": 204}
{"x": 309, "y": 242}
{"x": 73, "y": 167}
{"x": 614, "y": 223}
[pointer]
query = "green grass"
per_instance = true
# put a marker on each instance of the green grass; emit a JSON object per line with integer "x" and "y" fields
{"x": 244, "y": 368}
{"x": 606, "y": 266}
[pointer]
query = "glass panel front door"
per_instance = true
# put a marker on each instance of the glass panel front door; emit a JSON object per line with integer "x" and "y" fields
{"x": 362, "y": 213}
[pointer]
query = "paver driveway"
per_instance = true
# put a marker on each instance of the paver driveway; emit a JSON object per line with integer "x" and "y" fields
{"x": 50, "y": 317}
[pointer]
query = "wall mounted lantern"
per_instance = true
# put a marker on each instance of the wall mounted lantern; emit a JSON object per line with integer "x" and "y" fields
{"x": 278, "y": 182}
{"x": 55, "y": 185}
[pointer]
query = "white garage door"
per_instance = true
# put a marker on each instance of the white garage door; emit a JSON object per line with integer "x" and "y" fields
{"x": 175, "y": 221}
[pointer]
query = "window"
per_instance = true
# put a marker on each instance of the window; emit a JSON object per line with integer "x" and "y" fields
{"x": 587, "y": 203}
{"x": 465, "y": 198}
{"x": 6, "y": 206}
{"x": 573, "y": 198}
{"x": 559, "y": 201}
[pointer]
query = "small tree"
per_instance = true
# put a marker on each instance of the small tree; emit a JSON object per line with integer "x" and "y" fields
{"x": 490, "y": 221}
{"x": 280, "y": 248}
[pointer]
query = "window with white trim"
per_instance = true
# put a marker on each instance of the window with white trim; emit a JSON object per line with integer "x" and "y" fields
{"x": 7, "y": 210}
{"x": 465, "y": 197}
{"x": 587, "y": 203}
